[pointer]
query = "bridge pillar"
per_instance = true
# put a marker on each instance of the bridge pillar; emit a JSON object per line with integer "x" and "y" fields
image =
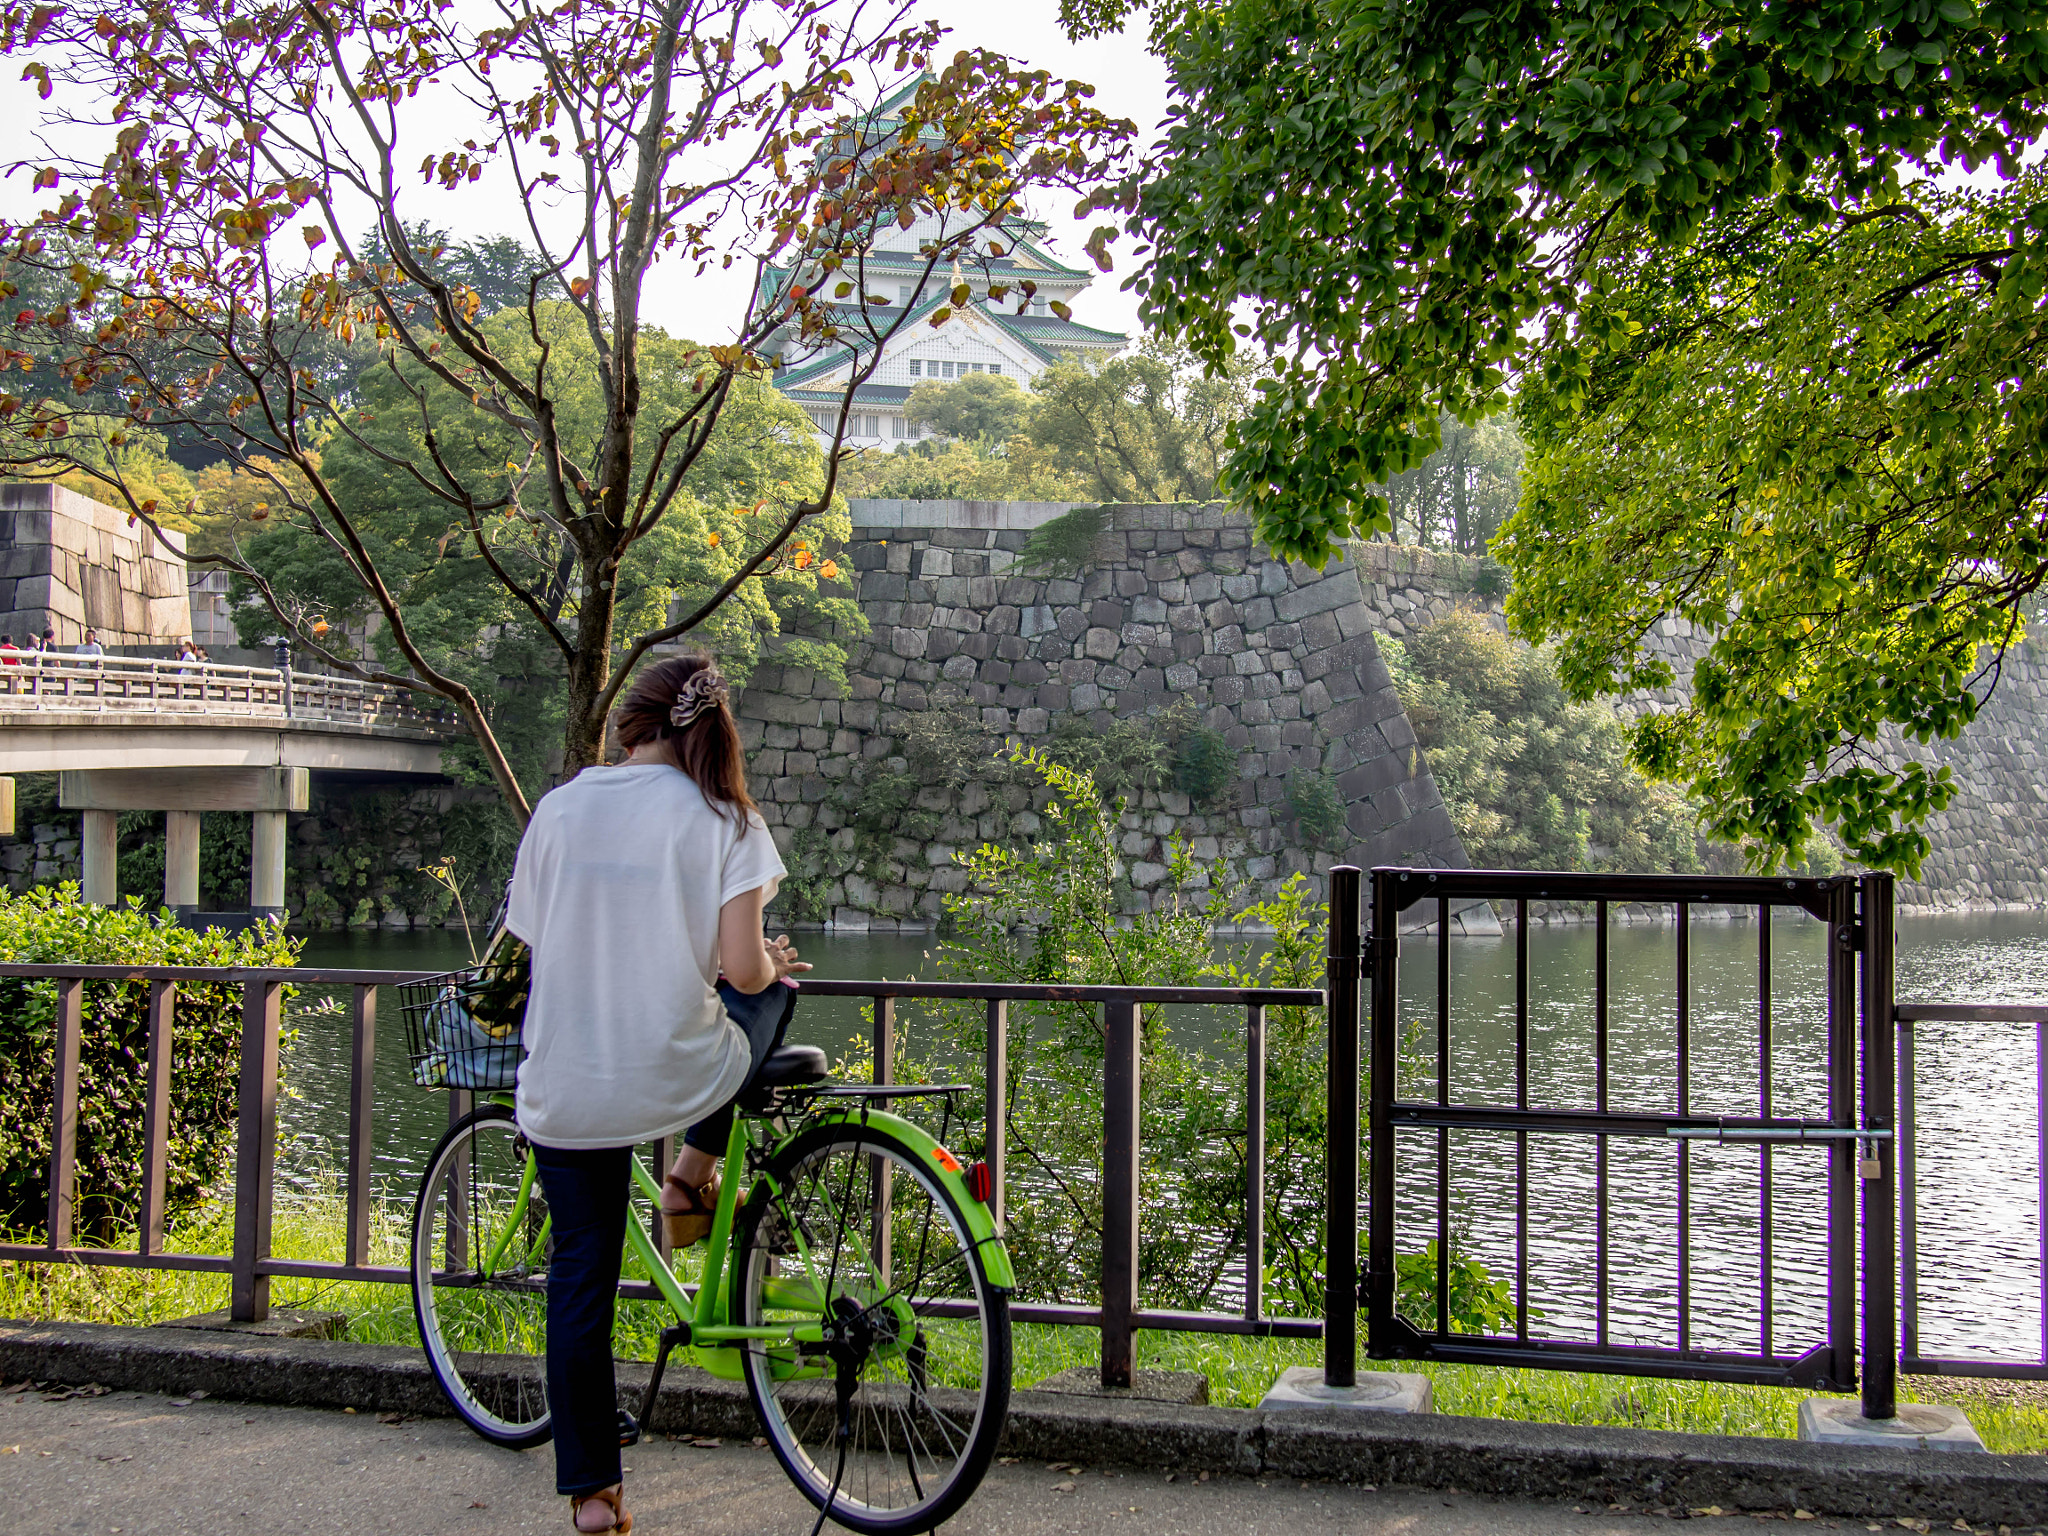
{"x": 181, "y": 862}
{"x": 102, "y": 847}
{"x": 6, "y": 807}
{"x": 266, "y": 864}
{"x": 183, "y": 794}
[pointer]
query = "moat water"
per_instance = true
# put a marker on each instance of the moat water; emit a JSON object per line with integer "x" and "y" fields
{"x": 1979, "y": 1225}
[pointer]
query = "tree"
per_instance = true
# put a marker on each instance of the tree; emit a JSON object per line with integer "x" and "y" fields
{"x": 1417, "y": 208}
{"x": 469, "y": 624}
{"x": 1821, "y": 446}
{"x": 981, "y": 407}
{"x": 953, "y": 469}
{"x": 1405, "y": 205}
{"x": 1458, "y": 497}
{"x": 1149, "y": 426}
{"x": 700, "y": 131}
{"x": 1532, "y": 779}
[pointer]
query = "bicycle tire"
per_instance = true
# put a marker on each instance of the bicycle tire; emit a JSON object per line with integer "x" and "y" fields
{"x": 937, "y": 1399}
{"x": 462, "y": 1310}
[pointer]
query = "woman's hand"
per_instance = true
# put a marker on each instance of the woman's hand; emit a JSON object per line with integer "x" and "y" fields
{"x": 782, "y": 955}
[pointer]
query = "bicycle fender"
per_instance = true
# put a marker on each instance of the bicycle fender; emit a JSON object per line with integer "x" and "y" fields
{"x": 950, "y": 1172}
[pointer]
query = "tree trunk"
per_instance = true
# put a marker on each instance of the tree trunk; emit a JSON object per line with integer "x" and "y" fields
{"x": 589, "y": 672}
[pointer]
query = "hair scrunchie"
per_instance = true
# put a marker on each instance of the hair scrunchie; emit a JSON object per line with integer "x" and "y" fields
{"x": 705, "y": 690}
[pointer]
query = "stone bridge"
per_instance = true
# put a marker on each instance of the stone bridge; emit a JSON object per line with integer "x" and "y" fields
{"x": 139, "y": 734}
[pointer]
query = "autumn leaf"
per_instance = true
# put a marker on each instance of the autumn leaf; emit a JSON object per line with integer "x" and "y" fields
{"x": 713, "y": 541}
{"x": 829, "y": 570}
{"x": 578, "y": 286}
{"x": 803, "y": 557}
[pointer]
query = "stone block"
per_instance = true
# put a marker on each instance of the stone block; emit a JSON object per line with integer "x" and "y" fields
{"x": 1331, "y": 593}
{"x": 1188, "y": 1388}
{"x": 1101, "y": 644}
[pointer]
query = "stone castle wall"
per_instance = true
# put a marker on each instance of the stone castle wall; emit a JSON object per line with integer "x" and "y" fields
{"x": 70, "y": 563}
{"x": 1174, "y": 622}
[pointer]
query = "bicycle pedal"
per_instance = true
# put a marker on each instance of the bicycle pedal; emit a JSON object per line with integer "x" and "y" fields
{"x": 629, "y": 1429}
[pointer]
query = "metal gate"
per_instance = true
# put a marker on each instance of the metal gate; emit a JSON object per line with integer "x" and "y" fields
{"x": 1827, "y": 1362}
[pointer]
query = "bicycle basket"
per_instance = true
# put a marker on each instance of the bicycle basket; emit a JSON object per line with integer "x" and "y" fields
{"x": 462, "y": 1030}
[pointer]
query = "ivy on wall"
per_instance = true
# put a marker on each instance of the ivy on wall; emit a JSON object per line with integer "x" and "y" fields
{"x": 948, "y": 769}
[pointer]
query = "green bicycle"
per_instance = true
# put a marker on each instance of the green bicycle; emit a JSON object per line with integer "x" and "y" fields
{"x": 860, "y": 1289}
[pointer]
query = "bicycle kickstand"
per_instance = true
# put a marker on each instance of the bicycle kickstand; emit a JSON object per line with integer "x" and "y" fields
{"x": 670, "y": 1338}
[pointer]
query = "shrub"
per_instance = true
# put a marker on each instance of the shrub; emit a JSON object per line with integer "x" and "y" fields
{"x": 1532, "y": 780}
{"x": 48, "y": 927}
{"x": 1204, "y": 766}
{"x": 1053, "y": 912}
{"x": 1317, "y": 805}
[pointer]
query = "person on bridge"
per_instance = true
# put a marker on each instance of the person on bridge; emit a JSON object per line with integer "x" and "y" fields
{"x": 91, "y": 647}
{"x": 10, "y": 657}
{"x": 635, "y": 887}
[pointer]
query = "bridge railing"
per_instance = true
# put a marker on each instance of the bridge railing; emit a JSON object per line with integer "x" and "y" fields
{"x": 34, "y": 682}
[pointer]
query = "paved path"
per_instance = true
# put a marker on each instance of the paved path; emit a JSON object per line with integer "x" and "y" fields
{"x": 142, "y": 1465}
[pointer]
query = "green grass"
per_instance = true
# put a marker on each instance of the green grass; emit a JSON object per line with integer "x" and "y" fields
{"x": 1239, "y": 1369}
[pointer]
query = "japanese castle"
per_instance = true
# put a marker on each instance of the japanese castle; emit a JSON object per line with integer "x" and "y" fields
{"x": 981, "y": 336}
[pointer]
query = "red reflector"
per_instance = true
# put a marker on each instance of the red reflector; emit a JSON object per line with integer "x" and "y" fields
{"x": 980, "y": 1182}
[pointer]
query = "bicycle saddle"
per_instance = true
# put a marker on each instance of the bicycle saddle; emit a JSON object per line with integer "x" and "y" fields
{"x": 790, "y": 1064}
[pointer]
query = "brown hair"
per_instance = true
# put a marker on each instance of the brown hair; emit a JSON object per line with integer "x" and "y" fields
{"x": 708, "y": 747}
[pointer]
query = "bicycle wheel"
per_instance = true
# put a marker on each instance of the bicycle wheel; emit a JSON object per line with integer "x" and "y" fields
{"x": 479, "y": 1278}
{"x": 894, "y": 1419}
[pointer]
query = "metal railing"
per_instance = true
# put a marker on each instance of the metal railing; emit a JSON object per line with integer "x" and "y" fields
{"x": 1910, "y": 1357}
{"x": 36, "y": 682}
{"x": 1858, "y": 915}
{"x": 1829, "y": 1362}
{"x": 251, "y": 1264}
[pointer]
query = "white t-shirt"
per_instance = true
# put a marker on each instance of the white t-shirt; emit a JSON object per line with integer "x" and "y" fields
{"x": 617, "y": 888}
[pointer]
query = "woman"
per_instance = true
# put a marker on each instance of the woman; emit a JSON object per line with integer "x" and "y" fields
{"x": 635, "y": 887}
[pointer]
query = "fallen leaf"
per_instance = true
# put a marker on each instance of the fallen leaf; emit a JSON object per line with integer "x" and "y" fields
{"x": 478, "y": 1504}
{"x": 1804, "y": 1514}
{"x": 348, "y": 1410}
{"x": 46, "y": 1453}
{"x": 1006, "y": 1461}
{"x": 186, "y": 1402}
{"x": 195, "y": 1396}
{"x": 390, "y": 1418}
{"x": 10, "y": 1450}
{"x": 1205, "y": 1477}
{"x": 1173, "y": 1477}
{"x": 1708, "y": 1509}
{"x": 706, "y": 1444}
{"x": 1056, "y": 1487}
{"x": 761, "y": 1441}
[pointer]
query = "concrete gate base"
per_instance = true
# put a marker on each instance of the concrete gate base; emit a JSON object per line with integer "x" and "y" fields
{"x": 1301, "y": 1386}
{"x": 1917, "y": 1426}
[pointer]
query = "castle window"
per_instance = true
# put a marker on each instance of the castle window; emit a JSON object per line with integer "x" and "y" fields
{"x": 995, "y": 367}
{"x": 914, "y": 366}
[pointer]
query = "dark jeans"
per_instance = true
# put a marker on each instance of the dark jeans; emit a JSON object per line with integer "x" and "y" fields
{"x": 765, "y": 1016}
{"x": 587, "y": 1192}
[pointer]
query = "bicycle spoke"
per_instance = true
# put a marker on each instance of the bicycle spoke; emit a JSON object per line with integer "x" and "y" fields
{"x": 927, "y": 1391}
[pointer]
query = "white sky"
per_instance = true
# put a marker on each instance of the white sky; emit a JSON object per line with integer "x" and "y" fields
{"x": 1129, "y": 82}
